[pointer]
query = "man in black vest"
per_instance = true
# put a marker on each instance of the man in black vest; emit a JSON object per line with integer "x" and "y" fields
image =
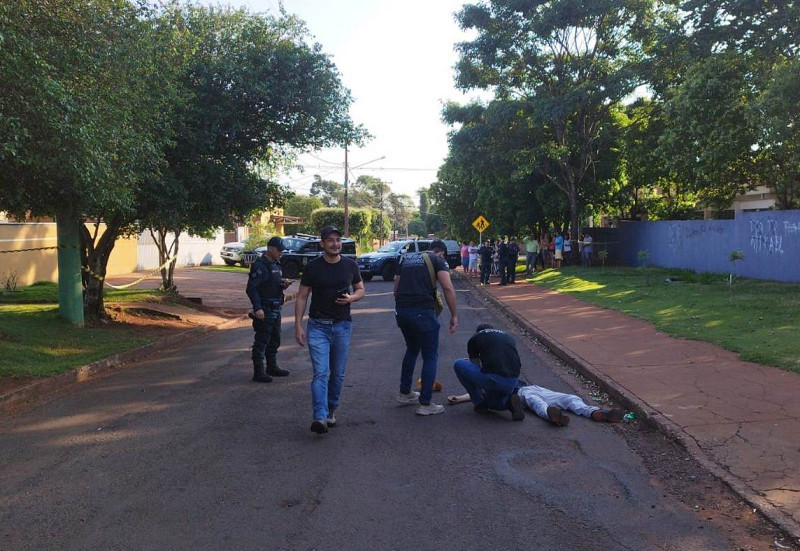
{"x": 265, "y": 290}
{"x": 415, "y": 301}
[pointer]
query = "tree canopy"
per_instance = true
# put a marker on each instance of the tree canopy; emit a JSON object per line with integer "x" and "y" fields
{"x": 173, "y": 117}
{"x": 633, "y": 108}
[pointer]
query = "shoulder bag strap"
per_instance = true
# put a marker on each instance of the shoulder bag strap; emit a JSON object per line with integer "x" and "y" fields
{"x": 427, "y": 258}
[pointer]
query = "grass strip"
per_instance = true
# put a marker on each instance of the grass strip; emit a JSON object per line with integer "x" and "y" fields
{"x": 758, "y": 319}
{"x": 46, "y": 292}
{"x": 35, "y": 341}
{"x": 226, "y": 268}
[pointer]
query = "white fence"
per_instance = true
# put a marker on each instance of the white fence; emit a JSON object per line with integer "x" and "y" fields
{"x": 192, "y": 250}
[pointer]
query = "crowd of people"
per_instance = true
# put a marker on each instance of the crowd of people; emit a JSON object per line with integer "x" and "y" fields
{"x": 490, "y": 372}
{"x": 499, "y": 257}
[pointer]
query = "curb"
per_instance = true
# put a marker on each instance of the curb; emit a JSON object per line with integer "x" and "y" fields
{"x": 651, "y": 417}
{"x": 41, "y": 392}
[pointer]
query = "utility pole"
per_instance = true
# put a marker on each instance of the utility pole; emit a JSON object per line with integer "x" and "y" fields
{"x": 346, "y": 228}
{"x": 382, "y": 208}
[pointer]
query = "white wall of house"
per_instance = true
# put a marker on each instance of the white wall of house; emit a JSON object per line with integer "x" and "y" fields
{"x": 192, "y": 250}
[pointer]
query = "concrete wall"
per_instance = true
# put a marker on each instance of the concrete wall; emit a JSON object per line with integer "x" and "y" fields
{"x": 770, "y": 241}
{"x": 192, "y": 250}
{"x": 33, "y": 266}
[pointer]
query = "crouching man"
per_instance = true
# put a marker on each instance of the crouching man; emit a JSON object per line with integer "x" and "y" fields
{"x": 491, "y": 373}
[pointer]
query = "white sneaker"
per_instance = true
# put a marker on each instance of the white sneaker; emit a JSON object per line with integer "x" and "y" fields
{"x": 410, "y": 398}
{"x": 430, "y": 409}
{"x": 331, "y": 420}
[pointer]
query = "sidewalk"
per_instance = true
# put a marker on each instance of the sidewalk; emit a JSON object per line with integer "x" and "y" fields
{"x": 740, "y": 420}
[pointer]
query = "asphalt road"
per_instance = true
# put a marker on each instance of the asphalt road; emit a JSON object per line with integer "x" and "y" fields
{"x": 184, "y": 452}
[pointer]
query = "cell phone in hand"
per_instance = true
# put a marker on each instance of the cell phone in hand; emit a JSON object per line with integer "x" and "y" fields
{"x": 342, "y": 292}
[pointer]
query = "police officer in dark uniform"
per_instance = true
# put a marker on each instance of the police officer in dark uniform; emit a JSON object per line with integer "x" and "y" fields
{"x": 512, "y": 252}
{"x": 265, "y": 290}
{"x": 502, "y": 261}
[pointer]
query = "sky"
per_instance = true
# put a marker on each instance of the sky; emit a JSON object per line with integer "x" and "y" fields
{"x": 397, "y": 58}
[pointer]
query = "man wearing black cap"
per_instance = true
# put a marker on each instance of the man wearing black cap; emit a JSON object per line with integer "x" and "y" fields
{"x": 265, "y": 290}
{"x": 415, "y": 302}
{"x": 333, "y": 281}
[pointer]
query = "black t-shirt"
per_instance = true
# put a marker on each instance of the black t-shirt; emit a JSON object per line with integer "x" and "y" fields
{"x": 327, "y": 281}
{"x": 264, "y": 283}
{"x": 497, "y": 352}
{"x": 415, "y": 289}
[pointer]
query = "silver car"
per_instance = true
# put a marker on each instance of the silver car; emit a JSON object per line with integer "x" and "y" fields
{"x": 232, "y": 253}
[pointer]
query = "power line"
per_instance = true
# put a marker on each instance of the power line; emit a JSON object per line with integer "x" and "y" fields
{"x": 341, "y": 166}
{"x": 323, "y": 160}
{"x": 407, "y": 169}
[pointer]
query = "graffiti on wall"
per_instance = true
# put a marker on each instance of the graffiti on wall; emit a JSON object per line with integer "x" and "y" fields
{"x": 679, "y": 231}
{"x": 702, "y": 228}
{"x": 765, "y": 236}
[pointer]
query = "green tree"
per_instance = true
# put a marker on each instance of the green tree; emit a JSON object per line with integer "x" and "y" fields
{"x": 301, "y": 206}
{"x": 718, "y": 66}
{"x": 331, "y": 193}
{"x": 254, "y": 88}
{"x": 710, "y": 130}
{"x": 779, "y": 152}
{"x": 85, "y": 88}
{"x": 567, "y": 65}
{"x": 360, "y": 220}
{"x": 418, "y": 227}
{"x": 400, "y": 209}
{"x": 380, "y": 225}
{"x": 491, "y": 171}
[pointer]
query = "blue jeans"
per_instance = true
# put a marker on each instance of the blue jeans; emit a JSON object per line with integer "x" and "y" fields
{"x": 485, "y": 388}
{"x": 328, "y": 344}
{"x": 420, "y": 328}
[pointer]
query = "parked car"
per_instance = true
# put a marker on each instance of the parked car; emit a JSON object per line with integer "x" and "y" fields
{"x": 453, "y": 253}
{"x": 231, "y": 253}
{"x": 300, "y": 249}
{"x": 384, "y": 261}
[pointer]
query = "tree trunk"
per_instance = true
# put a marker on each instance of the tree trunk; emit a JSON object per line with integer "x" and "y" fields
{"x": 96, "y": 250}
{"x": 70, "y": 291}
{"x": 575, "y": 225}
{"x": 166, "y": 251}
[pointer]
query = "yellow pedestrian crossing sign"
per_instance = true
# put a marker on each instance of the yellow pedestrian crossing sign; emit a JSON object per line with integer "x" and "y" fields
{"x": 480, "y": 224}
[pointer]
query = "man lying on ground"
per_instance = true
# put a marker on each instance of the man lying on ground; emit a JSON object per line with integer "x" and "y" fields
{"x": 550, "y": 405}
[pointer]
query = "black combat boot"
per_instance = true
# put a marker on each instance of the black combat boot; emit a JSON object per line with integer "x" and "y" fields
{"x": 260, "y": 373}
{"x": 273, "y": 369}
